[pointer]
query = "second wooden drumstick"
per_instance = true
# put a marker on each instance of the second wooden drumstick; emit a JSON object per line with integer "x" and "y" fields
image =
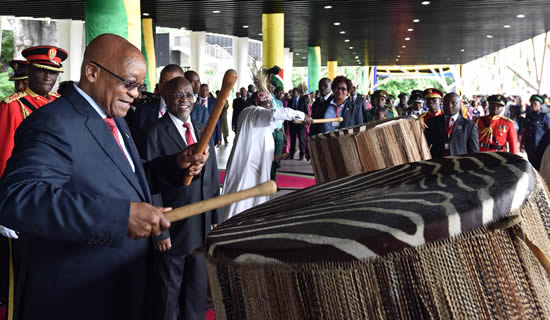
{"x": 228, "y": 81}
{"x": 181, "y": 213}
{"x": 338, "y": 119}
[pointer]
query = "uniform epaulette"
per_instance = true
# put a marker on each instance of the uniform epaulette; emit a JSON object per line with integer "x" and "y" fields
{"x": 14, "y": 97}
{"x": 54, "y": 94}
{"x": 506, "y": 118}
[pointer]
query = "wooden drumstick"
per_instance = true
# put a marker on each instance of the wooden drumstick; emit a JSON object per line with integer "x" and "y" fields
{"x": 338, "y": 119}
{"x": 207, "y": 205}
{"x": 228, "y": 81}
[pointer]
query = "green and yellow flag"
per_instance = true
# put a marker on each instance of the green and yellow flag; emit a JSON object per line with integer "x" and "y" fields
{"x": 121, "y": 17}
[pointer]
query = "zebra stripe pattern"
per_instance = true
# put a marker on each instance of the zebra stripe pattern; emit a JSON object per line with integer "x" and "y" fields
{"x": 375, "y": 213}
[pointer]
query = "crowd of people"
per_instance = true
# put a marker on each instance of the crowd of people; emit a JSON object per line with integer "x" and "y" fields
{"x": 88, "y": 173}
{"x": 483, "y": 123}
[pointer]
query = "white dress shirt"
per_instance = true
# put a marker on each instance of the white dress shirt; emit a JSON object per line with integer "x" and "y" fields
{"x": 181, "y": 129}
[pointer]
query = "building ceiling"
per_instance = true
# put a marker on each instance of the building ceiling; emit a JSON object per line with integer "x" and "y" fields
{"x": 448, "y": 32}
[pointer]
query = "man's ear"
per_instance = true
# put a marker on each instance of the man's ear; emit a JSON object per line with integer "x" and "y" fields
{"x": 92, "y": 72}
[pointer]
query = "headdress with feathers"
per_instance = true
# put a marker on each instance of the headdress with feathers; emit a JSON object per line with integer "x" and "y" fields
{"x": 261, "y": 84}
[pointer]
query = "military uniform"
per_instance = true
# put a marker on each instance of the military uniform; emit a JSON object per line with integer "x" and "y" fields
{"x": 15, "y": 108}
{"x": 495, "y": 132}
{"x": 370, "y": 115}
{"x": 534, "y": 126}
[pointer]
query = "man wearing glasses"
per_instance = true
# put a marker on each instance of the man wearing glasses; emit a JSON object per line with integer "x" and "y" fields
{"x": 76, "y": 188}
{"x": 179, "y": 289}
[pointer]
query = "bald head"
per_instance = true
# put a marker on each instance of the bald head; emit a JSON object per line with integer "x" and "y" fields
{"x": 106, "y": 59}
{"x": 194, "y": 79}
{"x": 179, "y": 98}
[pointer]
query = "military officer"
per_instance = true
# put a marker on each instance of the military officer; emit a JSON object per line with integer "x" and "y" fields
{"x": 44, "y": 65}
{"x": 433, "y": 98}
{"x": 19, "y": 76}
{"x": 417, "y": 105}
{"x": 535, "y": 124}
{"x": 378, "y": 100}
{"x": 496, "y": 131}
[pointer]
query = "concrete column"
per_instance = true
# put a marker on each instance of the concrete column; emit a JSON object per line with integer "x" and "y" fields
{"x": 332, "y": 69}
{"x": 289, "y": 69}
{"x": 198, "y": 44}
{"x": 240, "y": 58}
{"x": 71, "y": 38}
{"x": 273, "y": 34}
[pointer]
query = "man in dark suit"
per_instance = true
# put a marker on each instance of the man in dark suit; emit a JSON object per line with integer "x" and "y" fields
{"x": 239, "y": 104}
{"x": 198, "y": 114}
{"x": 180, "y": 284}
{"x": 297, "y": 130}
{"x": 146, "y": 115}
{"x": 76, "y": 188}
{"x": 451, "y": 134}
{"x": 357, "y": 100}
{"x": 206, "y": 101}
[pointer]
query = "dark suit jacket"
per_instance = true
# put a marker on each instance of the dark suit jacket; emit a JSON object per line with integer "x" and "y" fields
{"x": 238, "y": 105}
{"x": 67, "y": 189}
{"x": 144, "y": 117}
{"x": 199, "y": 114}
{"x": 300, "y": 106}
{"x": 216, "y": 136}
{"x": 163, "y": 139}
{"x": 351, "y": 114}
{"x": 359, "y": 103}
{"x": 464, "y": 138}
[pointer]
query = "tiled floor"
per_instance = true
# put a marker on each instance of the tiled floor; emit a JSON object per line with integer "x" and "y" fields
{"x": 296, "y": 166}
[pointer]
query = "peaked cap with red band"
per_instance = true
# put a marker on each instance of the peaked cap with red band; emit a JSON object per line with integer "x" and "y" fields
{"x": 433, "y": 93}
{"x": 45, "y": 57}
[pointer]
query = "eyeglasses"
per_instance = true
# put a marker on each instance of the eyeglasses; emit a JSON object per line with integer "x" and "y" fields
{"x": 181, "y": 95}
{"x": 128, "y": 84}
{"x": 341, "y": 88}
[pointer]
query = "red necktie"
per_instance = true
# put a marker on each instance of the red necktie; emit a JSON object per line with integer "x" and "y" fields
{"x": 188, "y": 135}
{"x": 112, "y": 126}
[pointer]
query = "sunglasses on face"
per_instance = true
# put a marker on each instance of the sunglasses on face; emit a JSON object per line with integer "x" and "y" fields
{"x": 128, "y": 84}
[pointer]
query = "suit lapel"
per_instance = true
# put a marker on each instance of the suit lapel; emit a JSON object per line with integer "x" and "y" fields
{"x": 132, "y": 150}
{"x": 457, "y": 127}
{"x": 173, "y": 132}
{"x": 103, "y": 136}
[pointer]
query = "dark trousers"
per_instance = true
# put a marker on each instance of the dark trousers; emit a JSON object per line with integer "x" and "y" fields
{"x": 300, "y": 131}
{"x": 180, "y": 288}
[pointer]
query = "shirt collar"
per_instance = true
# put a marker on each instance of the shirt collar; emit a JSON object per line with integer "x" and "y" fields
{"x": 162, "y": 104}
{"x": 177, "y": 121}
{"x": 327, "y": 96}
{"x": 91, "y": 101}
{"x": 455, "y": 116}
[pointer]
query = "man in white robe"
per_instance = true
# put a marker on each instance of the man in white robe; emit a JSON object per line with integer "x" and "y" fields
{"x": 253, "y": 150}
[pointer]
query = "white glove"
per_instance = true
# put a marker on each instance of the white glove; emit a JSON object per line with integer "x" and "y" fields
{"x": 9, "y": 233}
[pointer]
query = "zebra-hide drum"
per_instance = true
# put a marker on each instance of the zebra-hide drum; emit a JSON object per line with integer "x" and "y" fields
{"x": 450, "y": 238}
{"x": 367, "y": 147}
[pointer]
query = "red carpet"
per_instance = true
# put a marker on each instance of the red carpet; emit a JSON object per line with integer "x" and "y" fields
{"x": 286, "y": 180}
{"x": 210, "y": 315}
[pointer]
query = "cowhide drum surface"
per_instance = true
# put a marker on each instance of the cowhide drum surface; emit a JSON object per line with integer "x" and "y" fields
{"x": 439, "y": 239}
